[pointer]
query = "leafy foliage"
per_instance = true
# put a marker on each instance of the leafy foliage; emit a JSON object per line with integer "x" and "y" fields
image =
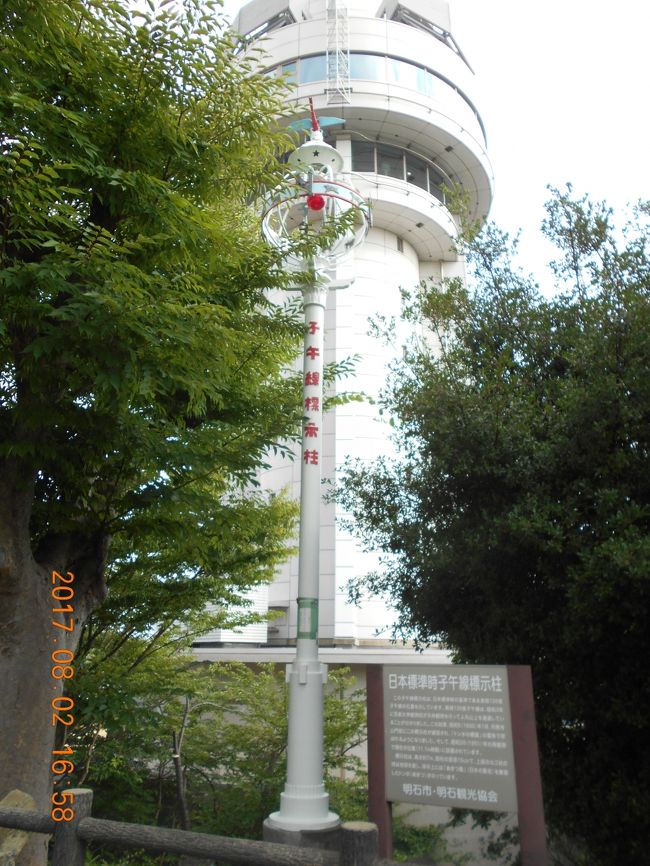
{"x": 515, "y": 529}
{"x": 142, "y": 365}
{"x": 234, "y": 723}
{"x": 140, "y": 362}
{"x": 424, "y": 844}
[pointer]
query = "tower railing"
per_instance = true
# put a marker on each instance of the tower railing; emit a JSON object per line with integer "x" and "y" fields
{"x": 338, "y": 52}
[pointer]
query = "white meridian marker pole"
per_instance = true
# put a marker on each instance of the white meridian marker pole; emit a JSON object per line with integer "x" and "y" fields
{"x": 304, "y": 804}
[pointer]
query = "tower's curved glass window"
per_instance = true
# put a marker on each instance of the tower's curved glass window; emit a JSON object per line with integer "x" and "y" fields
{"x": 403, "y": 73}
{"x": 416, "y": 171}
{"x": 313, "y": 69}
{"x": 290, "y": 71}
{"x": 426, "y": 81}
{"x": 402, "y": 164}
{"x": 363, "y": 156}
{"x": 390, "y": 161}
{"x": 436, "y": 181}
{"x": 372, "y": 67}
{"x": 375, "y": 67}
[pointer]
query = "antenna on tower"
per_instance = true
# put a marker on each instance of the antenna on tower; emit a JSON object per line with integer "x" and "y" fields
{"x": 338, "y": 52}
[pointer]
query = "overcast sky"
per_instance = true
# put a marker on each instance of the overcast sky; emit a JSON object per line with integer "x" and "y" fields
{"x": 564, "y": 97}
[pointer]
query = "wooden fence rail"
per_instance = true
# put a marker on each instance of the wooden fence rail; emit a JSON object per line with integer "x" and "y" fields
{"x": 358, "y": 840}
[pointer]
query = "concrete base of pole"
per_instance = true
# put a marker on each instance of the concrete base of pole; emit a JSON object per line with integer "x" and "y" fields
{"x": 328, "y": 839}
{"x": 304, "y": 807}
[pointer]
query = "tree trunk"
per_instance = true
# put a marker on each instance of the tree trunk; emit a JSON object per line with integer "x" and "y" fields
{"x": 26, "y": 732}
{"x": 181, "y": 789}
{"x": 27, "y": 639}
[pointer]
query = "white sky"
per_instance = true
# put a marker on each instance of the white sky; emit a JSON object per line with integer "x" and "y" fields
{"x": 564, "y": 97}
{"x": 563, "y": 92}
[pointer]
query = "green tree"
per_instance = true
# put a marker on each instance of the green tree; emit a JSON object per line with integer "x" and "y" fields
{"x": 162, "y": 739}
{"x": 515, "y": 528}
{"x": 181, "y": 743}
{"x": 140, "y": 364}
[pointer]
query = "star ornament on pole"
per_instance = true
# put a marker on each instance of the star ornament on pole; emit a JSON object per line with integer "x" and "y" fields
{"x": 310, "y": 202}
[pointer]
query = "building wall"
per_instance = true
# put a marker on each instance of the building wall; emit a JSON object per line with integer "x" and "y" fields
{"x": 255, "y": 633}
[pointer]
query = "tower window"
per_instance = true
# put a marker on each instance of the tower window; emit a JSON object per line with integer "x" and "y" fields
{"x": 378, "y": 67}
{"x": 416, "y": 171}
{"x": 313, "y": 69}
{"x": 363, "y": 156}
{"x": 372, "y": 67}
{"x": 403, "y": 73}
{"x": 289, "y": 70}
{"x": 392, "y": 161}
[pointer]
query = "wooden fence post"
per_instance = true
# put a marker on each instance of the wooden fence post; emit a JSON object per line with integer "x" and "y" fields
{"x": 69, "y": 849}
{"x": 359, "y": 844}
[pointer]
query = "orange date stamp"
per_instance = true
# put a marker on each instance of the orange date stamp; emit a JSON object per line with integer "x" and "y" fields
{"x": 62, "y": 595}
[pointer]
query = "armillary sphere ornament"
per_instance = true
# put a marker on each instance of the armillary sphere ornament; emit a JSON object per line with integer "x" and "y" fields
{"x": 311, "y": 199}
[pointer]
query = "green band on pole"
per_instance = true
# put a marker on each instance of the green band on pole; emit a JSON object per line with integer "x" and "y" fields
{"x": 308, "y": 618}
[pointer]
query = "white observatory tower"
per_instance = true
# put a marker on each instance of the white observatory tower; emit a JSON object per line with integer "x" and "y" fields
{"x": 394, "y": 74}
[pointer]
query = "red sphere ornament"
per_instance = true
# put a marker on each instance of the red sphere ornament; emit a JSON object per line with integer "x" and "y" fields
{"x": 315, "y": 202}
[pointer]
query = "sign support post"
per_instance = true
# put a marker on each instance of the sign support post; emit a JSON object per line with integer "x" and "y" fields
{"x": 530, "y": 805}
{"x": 379, "y": 809}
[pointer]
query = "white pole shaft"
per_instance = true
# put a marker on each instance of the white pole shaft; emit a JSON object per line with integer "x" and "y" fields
{"x": 304, "y": 803}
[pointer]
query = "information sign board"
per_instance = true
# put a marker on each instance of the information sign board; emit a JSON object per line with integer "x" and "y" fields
{"x": 448, "y": 736}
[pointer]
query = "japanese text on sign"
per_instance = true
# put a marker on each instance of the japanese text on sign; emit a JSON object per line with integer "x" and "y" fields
{"x": 448, "y": 736}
